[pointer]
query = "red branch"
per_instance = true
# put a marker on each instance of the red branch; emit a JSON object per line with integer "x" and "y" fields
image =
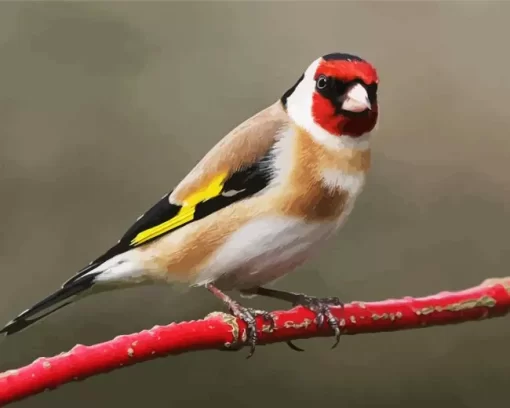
{"x": 220, "y": 331}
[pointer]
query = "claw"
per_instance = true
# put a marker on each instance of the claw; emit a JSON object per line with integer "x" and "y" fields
{"x": 321, "y": 307}
{"x": 268, "y": 317}
{"x": 247, "y": 315}
{"x": 293, "y": 346}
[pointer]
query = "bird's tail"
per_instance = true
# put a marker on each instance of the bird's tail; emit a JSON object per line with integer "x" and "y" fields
{"x": 62, "y": 297}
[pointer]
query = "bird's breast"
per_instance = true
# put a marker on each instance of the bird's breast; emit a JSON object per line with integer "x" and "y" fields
{"x": 315, "y": 183}
{"x": 264, "y": 249}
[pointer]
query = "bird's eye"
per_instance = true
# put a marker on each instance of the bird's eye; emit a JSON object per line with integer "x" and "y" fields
{"x": 322, "y": 82}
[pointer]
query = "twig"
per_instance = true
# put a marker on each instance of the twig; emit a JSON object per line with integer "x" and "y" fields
{"x": 221, "y": 331}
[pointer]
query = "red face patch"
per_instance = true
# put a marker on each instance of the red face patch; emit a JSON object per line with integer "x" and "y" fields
{"x": 325, "y": 110}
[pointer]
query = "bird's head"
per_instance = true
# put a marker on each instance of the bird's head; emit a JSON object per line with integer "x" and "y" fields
{"x": 335, "y": 99}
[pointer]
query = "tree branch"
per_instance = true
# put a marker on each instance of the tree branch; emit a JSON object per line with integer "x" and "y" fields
{"x": 220, "y": 331}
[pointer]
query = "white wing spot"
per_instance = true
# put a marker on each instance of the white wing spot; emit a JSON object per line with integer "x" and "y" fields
{"x": 231, "y": 193}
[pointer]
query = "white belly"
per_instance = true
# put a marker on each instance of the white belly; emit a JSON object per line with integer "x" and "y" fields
{"x": 262, "y": 251}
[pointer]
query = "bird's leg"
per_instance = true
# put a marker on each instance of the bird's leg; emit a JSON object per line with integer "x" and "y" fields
{"x": 247, "y": 315}
{"x": 320, "y": 306}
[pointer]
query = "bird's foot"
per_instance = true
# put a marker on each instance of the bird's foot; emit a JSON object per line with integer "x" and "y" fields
{"x": 321, "y": 307}
{"x": 247, "y": 315}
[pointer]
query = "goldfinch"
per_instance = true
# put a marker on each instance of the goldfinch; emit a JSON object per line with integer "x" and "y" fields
{"x": 257, "y": 205}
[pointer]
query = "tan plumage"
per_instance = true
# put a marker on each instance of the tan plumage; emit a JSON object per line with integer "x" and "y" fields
{"x": 257, "y": 205}
{"x": 245, "y": 144}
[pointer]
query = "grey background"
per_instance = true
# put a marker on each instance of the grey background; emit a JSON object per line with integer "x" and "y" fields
{"x": 105, "y": 106}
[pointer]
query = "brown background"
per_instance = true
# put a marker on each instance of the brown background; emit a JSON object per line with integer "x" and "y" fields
{"x": 104, "y": 107}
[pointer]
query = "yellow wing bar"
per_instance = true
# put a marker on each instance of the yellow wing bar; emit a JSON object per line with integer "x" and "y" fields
{"x": 186, "y": 212}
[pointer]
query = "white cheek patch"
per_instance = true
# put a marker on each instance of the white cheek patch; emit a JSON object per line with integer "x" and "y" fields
{"x": 299, "y": 104}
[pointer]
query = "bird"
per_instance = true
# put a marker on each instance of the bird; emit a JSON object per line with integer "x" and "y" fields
{"x": 255, "y": 207}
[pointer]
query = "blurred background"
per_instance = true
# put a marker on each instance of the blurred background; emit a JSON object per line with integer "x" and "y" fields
{"x": 105, "y": 106}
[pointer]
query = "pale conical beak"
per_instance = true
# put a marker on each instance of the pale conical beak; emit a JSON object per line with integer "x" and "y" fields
{"x": 356, "y": 99}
